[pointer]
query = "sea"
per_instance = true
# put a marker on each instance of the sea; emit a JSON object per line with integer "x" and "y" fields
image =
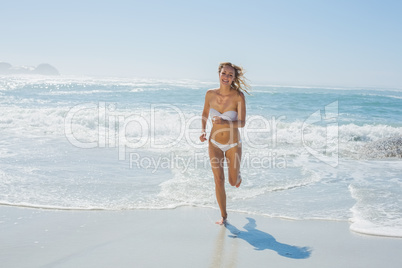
{"x": 104, "y": 143}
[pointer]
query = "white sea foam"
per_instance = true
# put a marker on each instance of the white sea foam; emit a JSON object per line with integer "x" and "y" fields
{"x": 377, "y": 210}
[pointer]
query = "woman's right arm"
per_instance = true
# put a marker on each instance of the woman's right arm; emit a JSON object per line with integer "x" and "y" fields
{"x": 205, "y": 114}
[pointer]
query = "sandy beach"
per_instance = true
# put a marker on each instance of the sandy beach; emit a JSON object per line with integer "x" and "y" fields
{"x": 183, "y": 237}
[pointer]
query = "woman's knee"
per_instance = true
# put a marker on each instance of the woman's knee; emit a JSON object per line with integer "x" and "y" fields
{"x": 233, "y": 178}
{"x": 219, "y": 180}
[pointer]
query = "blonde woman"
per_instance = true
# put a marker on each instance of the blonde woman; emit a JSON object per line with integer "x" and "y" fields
{"x": 227, "y": 107}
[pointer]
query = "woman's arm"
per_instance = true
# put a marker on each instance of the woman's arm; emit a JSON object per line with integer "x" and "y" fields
{"x": 241, "y": 111}
{"x": 205, "y": 114}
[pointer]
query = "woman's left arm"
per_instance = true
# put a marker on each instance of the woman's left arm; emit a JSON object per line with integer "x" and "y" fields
{"x": 241, "y": 111}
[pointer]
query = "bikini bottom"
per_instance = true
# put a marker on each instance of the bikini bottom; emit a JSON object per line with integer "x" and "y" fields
{"x": 225, "y": 147}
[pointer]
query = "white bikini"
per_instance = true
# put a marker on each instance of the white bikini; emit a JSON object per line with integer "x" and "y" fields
{"x": 230, "y": 116}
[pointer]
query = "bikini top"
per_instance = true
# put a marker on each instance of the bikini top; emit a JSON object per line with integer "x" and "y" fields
{"x": 228, "y": 115}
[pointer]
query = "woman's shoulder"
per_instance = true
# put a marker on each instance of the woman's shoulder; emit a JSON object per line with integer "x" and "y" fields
{"x": 211, "y": 92}
{"x": 240, "y": 95}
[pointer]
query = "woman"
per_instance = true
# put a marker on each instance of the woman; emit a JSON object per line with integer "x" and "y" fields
{"x": 227, "y": 107}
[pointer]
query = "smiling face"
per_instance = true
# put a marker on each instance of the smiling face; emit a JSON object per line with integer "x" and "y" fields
{"x": 227, "y": 75}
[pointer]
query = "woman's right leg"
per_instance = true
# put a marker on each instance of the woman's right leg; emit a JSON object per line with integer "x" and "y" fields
{"x": 216, "y": 157}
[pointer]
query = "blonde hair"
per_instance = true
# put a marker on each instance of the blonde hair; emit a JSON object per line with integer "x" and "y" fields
{"x": 240, "y": 82}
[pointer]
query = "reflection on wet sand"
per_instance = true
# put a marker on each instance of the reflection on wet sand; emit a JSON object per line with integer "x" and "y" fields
{"x": 222, "y": 258}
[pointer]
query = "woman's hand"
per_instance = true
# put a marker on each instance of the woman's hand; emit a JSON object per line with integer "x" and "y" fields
{"x": 203, "y": 137}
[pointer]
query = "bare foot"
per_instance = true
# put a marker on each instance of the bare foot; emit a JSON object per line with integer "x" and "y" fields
{"x": 238, "y": 182}
{"x": 222, "y": 221}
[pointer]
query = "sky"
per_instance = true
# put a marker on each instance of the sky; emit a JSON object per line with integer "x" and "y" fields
{"x": 321, "y": 42}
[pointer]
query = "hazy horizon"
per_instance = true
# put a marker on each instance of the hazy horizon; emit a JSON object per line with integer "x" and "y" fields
{"x": 346, "y": 43}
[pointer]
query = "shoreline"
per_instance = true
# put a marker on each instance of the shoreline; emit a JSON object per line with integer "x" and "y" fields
{"x": 33, "y": 207}
{"x": 181, "y": 237}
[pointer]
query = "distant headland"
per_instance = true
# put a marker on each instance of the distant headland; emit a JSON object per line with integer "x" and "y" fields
{"x": 42, "y": 69}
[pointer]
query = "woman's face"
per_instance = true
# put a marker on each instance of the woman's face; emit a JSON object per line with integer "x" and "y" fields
{"x": 227, "y": 75}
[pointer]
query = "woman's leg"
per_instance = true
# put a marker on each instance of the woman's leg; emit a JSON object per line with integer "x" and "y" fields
{"x": 233, "y": 159}
{"x": 216, "y": 157}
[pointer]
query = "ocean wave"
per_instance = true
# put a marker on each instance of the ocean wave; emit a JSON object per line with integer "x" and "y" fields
{"x": 377, "y": 210}
{"x": 384, "y": 148}
{"x": 175, "y": 126}
{"x": 8, "y": 83}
